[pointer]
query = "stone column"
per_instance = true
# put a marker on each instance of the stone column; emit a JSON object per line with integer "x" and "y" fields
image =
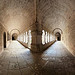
{"x": 36, "y": 38}
{"x": 1, "y": 38}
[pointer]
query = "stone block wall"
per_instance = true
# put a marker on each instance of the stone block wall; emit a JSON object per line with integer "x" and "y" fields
{"x": 2, "y": 30}
{"x": 69, "y": 35}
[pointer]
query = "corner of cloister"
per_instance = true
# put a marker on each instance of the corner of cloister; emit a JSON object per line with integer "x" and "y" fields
{"x": 40, "y": 33}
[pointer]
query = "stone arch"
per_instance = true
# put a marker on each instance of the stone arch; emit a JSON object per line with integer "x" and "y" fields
{"x": 14, "y": 34}
{"x": 13, "y": 30}
{"x": 57, "y": 30}
{"x": 58, "y": 36}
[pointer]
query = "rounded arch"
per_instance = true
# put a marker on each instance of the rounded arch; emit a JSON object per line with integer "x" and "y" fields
{"x": 57, "y": 30}
{"x": 14, "y": 31}
{"x": 58, "y": 36}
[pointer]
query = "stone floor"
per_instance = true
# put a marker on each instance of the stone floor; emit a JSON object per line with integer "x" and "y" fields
{"x": 56, "y": 60}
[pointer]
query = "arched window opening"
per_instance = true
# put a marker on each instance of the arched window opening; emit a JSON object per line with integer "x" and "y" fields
{"x": 4, "y": 39}
{"x": 29, "y": 39}
{"x": 58, "y": 36}
{"x": 49, "y": 38}
{"x": 43, "y": 37}
{"x": 46, "y": 37}
{"x": 26, "y": 37}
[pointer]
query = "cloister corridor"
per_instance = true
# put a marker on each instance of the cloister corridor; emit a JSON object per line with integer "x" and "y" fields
{"x": 37, "y": 37}
{"x": 18, "y": 60}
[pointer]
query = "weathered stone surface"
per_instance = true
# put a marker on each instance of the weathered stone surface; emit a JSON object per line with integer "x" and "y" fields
{"x": 56, "y": 60}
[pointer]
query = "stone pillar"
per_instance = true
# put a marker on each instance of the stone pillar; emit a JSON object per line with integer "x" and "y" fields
{"x": 36, "y": 38}
{"x": 0, "y": 39}
{"x": 10, "y": 38}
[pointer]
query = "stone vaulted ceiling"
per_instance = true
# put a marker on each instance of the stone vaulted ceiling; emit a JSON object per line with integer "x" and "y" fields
{"x": 20, "y": 14}
{"x": 55, "y": 13}
{"x": 17, "y": 14}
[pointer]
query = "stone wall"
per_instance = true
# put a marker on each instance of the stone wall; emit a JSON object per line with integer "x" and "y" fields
{"x": 69, "y": 35}
{"x": 2, "y": 30}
